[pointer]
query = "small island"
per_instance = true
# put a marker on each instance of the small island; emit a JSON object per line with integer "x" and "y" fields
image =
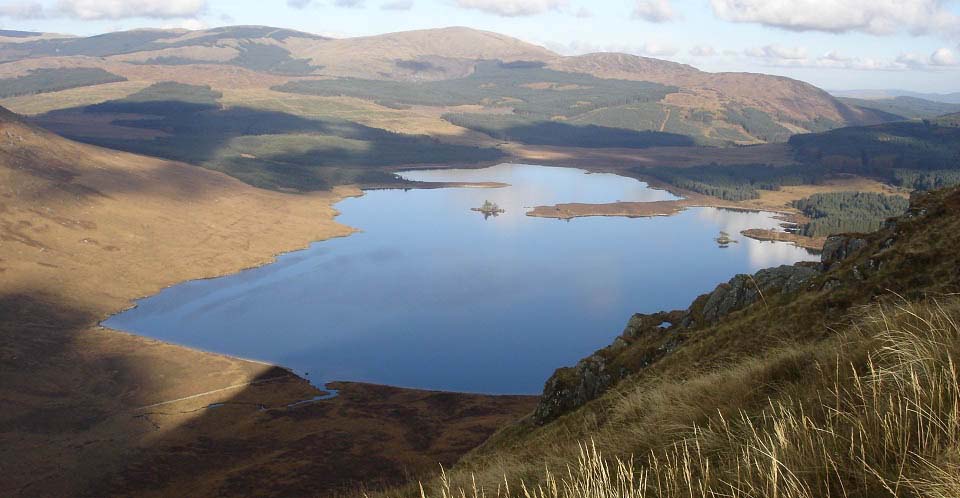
{"x": 724, "y": 240}
{"x": 489, "y": 209}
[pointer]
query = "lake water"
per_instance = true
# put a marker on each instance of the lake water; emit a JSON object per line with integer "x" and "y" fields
{"x": 432, "y": 295}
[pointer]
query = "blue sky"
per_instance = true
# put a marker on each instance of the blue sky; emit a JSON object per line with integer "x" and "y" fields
{"x": 835, "y": 44}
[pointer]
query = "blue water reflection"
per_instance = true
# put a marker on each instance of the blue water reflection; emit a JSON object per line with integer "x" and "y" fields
{"x": 432, "y": 295}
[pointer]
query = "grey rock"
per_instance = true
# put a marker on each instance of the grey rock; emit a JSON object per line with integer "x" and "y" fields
{"x": 570, "y": 388}
{"x": 743, "y": 290}
{"x": 838, "y": 248}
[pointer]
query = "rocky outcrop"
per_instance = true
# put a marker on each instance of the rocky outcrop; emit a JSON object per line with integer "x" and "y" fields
{"x": 571, "y": 387}
{"x": 743, "y": 290}
{"x": 838, "y": 248}
{"x": 648, "y": 338}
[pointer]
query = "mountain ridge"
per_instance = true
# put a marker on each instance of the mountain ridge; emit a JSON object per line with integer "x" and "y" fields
{"x": 713, "y": 108}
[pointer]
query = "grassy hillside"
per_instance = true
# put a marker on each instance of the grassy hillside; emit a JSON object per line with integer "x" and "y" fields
{"x": 831, "y": 380}
{"x": 527, "y": 88}
{"x": 85, "y": 231}
{"x": 423, "y": 73}
{"x": 256, "y": 47}
{"x": 917, "y": 155}
{"x": 55, "y": 80}
{"x": 268, "y": 149}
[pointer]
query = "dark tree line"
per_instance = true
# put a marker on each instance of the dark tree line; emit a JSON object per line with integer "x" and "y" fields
{"x": 841, "y": 212}
{"x": 737, "y": 182}
{"x": 926, "y": 180}
{"x": 47, "y": 80}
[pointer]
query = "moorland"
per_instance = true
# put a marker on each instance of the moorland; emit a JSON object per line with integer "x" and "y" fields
{"x": 135, "y": 160}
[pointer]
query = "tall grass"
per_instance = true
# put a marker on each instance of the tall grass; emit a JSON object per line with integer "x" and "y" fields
{"x": 879, "y": 416}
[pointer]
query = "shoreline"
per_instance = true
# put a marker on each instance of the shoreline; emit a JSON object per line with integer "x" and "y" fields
{"x": 163, "y": 224}
{"x": 564, "y": 211}
{"x": 119, "y": 228}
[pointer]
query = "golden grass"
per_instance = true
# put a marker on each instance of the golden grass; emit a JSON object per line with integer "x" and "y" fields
{"x": 75, "y": 97}
{"x": 419, "y": 120}
{"x": 879, "y": 416}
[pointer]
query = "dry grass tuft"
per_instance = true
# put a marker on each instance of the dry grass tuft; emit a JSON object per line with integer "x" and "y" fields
{"x": 881, "y": 417}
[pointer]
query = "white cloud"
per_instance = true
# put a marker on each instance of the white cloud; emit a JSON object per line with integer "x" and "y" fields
{"x": 654, "y": 10}
{"x": 299, "y": 4}
{"x": 835, "y": 56}
{"x": 777, "y": 52}
{"x": 350, "y": 4}
{"x": 879, "y": 17}
{"x": 703, "y": 51}
{"x": 583, "y": 13}
{"x": 398, "y": 5}
{"x": 649, "y": 49}
{"x": 944, "y": 57}
{"x": 911, "y": 60}
{"x": 22, "y": 10}
{"x": 193, "y": 24}
{"x": 120, "y": 9}
{"x": 656, "y": 49}
{"x": 512, "y": 8}
{"x": 774, "y": 56}
{"x": 836, "y": 60}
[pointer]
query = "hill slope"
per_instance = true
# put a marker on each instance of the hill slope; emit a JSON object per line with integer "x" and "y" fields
{"x": 83, "y": 232}
{"x": 835, "y": 379}
{"x": 790, "y": 104}
{"x": 912, "y": 154}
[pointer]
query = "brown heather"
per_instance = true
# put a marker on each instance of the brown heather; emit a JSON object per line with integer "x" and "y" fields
{"x": 875, "y": 412}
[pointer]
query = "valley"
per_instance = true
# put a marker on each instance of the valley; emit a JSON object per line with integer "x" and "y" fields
{"x": 249, "y": 260}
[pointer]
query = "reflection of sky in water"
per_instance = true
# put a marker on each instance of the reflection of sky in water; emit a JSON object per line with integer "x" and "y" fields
{"x": 432, "y": 295}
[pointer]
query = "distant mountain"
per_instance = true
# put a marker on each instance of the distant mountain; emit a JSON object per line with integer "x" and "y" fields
{"x": 904, "y": 107}
{"x": 418, "y": 55}
{"x": 9, "y": 33}
{"x": 449, "y": 76}
{"x": 792, "y": 106}
{"x": 947, "y": 98}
